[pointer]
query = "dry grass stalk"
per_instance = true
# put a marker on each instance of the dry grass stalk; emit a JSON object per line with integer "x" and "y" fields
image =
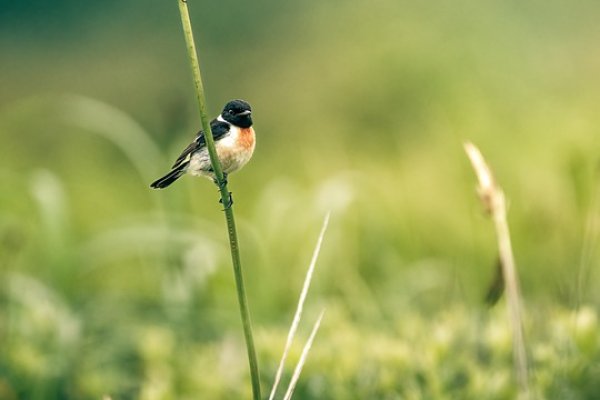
{"x": 302, "y": 361}
{"x": 494, "y": 202}
{"x": 300, "y": 307}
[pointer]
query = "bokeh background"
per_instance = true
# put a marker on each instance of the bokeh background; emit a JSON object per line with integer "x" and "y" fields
{"x": 361, "y": 108}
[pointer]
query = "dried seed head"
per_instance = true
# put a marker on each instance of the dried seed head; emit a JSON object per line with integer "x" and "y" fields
{"x": 487, "y": 184}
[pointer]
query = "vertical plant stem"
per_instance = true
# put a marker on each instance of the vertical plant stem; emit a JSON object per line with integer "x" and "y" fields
{"x": 229, "y": 217}
{"x": 494, "y": 202}
{"x": 512, "y": 289}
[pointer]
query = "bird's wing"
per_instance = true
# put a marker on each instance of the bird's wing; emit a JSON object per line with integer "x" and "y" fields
{"x": 219, "y": 130}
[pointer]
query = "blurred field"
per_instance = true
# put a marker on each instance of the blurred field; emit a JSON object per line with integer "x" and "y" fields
{"x": 361, "y": 108}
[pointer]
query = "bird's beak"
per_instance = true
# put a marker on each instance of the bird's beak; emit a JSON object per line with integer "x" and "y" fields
{"x": 247, "y": 112}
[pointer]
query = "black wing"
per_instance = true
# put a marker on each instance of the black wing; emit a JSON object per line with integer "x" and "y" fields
{"x": 219, "y": 130}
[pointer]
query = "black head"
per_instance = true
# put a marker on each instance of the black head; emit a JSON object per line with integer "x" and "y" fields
{"x": 238, "y": 113}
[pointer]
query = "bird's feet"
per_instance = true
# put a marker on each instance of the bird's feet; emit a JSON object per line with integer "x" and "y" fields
{"x": 223, "y": 183}
{"x": 229, "y": 202}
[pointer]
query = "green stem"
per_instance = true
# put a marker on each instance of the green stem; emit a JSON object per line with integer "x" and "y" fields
{"x": 216, "y": 165}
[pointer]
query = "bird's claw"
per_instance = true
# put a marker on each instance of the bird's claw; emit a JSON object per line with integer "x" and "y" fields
{"x": 223, "y": 183}
{"x": 229, "y": 202}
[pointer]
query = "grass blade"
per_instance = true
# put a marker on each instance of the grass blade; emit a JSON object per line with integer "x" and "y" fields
{"x": 299, "y": 308}
{"x": 303, "y": 356}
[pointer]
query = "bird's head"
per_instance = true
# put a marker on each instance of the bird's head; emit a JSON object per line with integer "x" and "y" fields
{"x": 238, "y": 113}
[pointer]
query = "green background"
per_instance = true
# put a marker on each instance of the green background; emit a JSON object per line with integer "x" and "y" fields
{"x": 361, "y": 109}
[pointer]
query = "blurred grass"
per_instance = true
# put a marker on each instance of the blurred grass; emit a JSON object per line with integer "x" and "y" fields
{"x": 108, "y": 287}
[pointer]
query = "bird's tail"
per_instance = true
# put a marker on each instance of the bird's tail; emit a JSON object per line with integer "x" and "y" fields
{"x": 169, "y": 178}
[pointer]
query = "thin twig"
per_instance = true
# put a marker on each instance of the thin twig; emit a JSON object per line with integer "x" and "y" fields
{"x": 231, "y": 229}
{"x": 494, "y": 202}
{"x": 303, "y": 356}
{"x": 298, "y": 314}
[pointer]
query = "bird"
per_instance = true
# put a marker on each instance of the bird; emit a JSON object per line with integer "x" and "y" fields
{"x": 234, "y": 139}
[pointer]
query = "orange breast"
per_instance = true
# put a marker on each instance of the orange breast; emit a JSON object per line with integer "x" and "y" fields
{"x": 246, "y": 139}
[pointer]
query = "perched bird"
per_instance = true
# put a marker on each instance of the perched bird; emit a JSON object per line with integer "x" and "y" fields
{"x": 234, "y": 141}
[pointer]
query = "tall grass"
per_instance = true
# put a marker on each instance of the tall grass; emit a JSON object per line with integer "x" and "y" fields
{"x": 404, "y": 277}
{"x": 129, "y": 325}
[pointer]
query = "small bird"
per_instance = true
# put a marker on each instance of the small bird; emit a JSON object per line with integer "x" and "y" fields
{"x": 234, "y": 141}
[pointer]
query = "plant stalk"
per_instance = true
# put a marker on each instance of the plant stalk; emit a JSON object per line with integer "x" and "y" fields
{"x": 493, "y": 199}
{"x": 225, "y": 199}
